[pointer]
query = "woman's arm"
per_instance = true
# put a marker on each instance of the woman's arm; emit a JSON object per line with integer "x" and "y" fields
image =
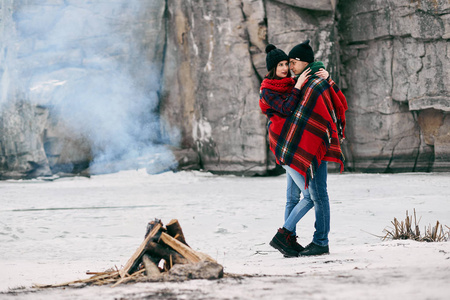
{"x": 322, "y": 73}
{"x": 302, "y": 78}
{"x": 283, "y": 104}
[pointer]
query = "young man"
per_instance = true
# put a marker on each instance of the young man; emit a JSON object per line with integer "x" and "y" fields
{"x": 311, "y": 139}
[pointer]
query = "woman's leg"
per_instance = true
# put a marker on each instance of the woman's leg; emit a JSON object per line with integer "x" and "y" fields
{"x": 292, "y": 197}
{"x": 303, "y": 206}
{"x": 319, "y": 193}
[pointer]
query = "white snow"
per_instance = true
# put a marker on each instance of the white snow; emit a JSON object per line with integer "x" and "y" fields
{"x": 55, "y": 231}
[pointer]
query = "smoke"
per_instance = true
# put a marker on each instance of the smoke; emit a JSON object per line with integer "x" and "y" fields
{"x": 85, "y": 62}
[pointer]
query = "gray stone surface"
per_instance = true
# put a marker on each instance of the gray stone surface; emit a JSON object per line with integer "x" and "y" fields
{"x": 212, "y": 97}
{"x": 320, "y": 5}
{"x": 289, "y": 26}
{"x": 395, "y": 64}
{"x": 73, "y": 75}
{"x": 201, "y": 270}
{"x": 198, "y": 65}
{"x": 22, "y": 147}
{"x": 210, "y": 90}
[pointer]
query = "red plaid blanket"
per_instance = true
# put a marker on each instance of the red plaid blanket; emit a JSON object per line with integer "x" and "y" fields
{"x": 301, "y": 138}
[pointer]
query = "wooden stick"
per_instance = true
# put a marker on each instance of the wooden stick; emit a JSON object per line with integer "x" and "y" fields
{"x": 87, "y": 280}
{"x": 128, "y": 277}
{"x": 181, "y": 248}
{"x": 95, "y": 273}
{"x": 191, "y": 255}
{"x": 139, "y": 252}
{"x": 174, "y": 230}
{"x": 205, "y": 257}
{"x": 167, "y": 253}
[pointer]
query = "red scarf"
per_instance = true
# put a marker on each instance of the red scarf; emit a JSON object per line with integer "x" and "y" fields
{"x": 284, "y": 85}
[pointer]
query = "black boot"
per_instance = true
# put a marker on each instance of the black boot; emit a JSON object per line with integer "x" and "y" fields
{"x": 294, "y": 244}
{"x": 314, "y": 249}
{"x": 282, "y": 242}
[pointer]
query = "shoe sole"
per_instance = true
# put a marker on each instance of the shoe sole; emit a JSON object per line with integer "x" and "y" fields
{"x": 279, "y": 248}
{"x": 327, "y": 253}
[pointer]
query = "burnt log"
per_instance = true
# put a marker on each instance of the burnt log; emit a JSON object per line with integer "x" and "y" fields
{"x": 175, "y": 231}
{"x": 160, "y": 251}
{"x": 135, "y": 260}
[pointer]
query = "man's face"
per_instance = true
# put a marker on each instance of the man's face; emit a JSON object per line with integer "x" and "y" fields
{"x": 297, "y": 66}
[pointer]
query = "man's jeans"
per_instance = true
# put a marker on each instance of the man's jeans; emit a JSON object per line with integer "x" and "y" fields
{"x": 315, "y": 196}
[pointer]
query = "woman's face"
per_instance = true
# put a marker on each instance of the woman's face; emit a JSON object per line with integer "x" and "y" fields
{"x": 282, "y": 69}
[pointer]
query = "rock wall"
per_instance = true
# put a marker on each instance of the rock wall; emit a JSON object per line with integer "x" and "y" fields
{"x": 79, "y": 84}
{"x": 395, "y": 62}
{"x": 203, "y": 62}
{"x": 213, "y": 66}
{"x": 210, "y": 83}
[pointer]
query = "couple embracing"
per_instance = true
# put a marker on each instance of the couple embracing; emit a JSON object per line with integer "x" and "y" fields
{"x": 306, "y": 126}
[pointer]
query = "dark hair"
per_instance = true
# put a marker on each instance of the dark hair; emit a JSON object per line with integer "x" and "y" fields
{"x": 272, "y": 74}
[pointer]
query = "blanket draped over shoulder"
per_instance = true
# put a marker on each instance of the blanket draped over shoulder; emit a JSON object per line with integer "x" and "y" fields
{"x": 307, "y": 126}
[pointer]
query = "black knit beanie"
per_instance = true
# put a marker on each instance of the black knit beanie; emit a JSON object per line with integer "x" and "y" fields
{"x": 302, "y": 52}
{"x": 274, "y": 56}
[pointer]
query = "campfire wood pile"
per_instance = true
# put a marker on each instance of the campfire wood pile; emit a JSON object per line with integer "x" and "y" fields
{"x": 163, "y": 255}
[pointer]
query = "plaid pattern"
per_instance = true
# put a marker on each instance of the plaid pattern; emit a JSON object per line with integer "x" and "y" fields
{"x": 282, "y": 104}
{"x": 309, "y": 134}
{"x": 340, "y": 105}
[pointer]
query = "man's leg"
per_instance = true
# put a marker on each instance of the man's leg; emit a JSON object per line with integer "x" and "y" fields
{"x": 319, "y": 193}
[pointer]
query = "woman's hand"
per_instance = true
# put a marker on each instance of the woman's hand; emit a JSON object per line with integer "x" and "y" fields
{"x": 302, "y": 78}
{"x": 322, "y": 73}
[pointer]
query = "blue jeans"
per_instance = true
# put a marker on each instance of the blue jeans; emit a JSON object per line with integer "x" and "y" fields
{"x": 292, "y": 199}
{"x": 315, "y": 196}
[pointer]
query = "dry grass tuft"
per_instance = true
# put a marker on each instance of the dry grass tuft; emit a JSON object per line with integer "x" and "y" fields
{"x": 405, "y": 230}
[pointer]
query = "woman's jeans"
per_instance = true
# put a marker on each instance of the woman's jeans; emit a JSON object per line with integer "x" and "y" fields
{"x": 315, "y": 196}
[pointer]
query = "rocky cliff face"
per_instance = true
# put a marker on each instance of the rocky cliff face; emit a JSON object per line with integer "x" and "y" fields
{"x": 395, "y": 63}
{"x": 210, "y": 82}
{"x": 132, "y": 76}
{"x": 213, "y": 66}
{"x": 79, "y": 86}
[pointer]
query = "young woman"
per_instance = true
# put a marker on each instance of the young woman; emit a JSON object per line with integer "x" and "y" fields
{"x": 280, "y": 96}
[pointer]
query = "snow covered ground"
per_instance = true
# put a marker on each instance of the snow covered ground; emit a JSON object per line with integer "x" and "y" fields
{"x": 55, "y": 231}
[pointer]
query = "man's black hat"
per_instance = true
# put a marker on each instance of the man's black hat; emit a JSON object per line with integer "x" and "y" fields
{"x": 302, "y": 52}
